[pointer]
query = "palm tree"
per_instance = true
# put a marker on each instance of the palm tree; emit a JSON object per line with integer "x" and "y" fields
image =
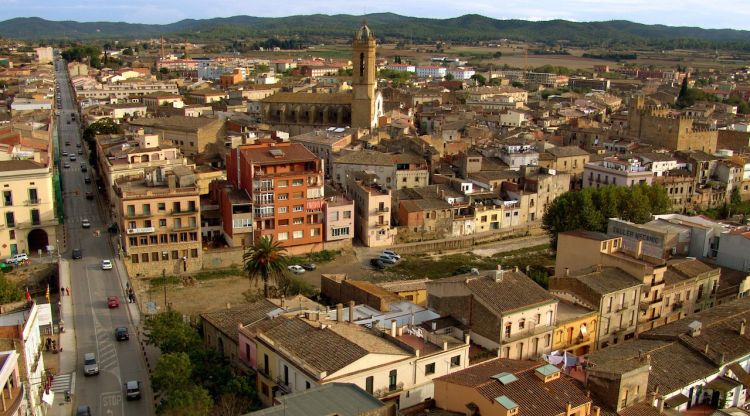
{"x": 265, "y": 259}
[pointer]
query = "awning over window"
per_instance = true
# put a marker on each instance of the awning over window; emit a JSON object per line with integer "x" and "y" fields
{"x": 740, "y": 373}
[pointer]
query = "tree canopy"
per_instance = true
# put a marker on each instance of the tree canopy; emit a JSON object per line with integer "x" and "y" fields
{"x": 591, "y": 208}
{"x": 9, "y": 291}
{"x": 265, "y": 260}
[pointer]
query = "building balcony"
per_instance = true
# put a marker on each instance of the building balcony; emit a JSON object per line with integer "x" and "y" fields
{"x": 30, "y": 202}
{"x": 525, "y": 333}
{"x": 39, "y": 223}
{"x": 383, "y": 209}
{"x": 186, "y": 227}
{"x": 282, "y": 387}
{"x": 183, "y": 211}
{"x": 141, "y": 230}
{"x": 383, "y": 224}
{"x": 134, "y": 216}
{"x": 677, "y": 306}
{"x": 10, "y": 405}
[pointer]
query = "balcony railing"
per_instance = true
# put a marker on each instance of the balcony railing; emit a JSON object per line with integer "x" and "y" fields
{"x": 383, "y": 224}
{"x": 13, "y": 403}
{"x": 183, "y": 211}
{"x": 133, "y": 215}
{"x": 525, "y": 333}
{"x": 282, "y": 386}
{"x": 383, "y": 209}
{"x": 35, "y": 201}
{"x": 31, "y": 224}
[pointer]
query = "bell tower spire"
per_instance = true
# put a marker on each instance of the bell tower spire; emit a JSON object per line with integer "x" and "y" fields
{"x": 364, "y": 78}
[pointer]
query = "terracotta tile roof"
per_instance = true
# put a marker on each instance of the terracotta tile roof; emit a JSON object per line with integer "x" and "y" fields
{"x": 313, "y": 346}
{"x": 567, "y": 151}
{"x": 182, "y": 123}
{"x": 532, "y": 395}
{"x": 227, "y": 320}
{"x": 13, "y": 165}
{"x": 691, "y": 267}
{"x": 608, "y": 280}
{"x": 405, "y": 285}
{"x": 515, "y": 291}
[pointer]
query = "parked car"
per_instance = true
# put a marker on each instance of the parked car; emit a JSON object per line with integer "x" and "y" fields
{"x": 17, "y": 258}
{"x": 387, "y": 259}
{"x": 65, "y": 154}
{"x": 106, "y": 264}
{"x": 121, "y": 334}
{"x": 87, "y": 179}
{"x": 392, "y": 254}
{"x": 72, "y": 158}
{"x": 77, "y": 254}
{"x": 78, "y": 145}
{"x": 309, "y": 266}
{"x": 113, "y": 302}
{"x": 89, "y": 195}
{"x": 85, "y": 223}
{"x": 377, "y": 263}
{"x": 84, "y": 168}
{"x": 90, "y": 366}
{"x": 295, "y": 268}
{"x": 66, "y": 165}
{"x": 80, "y": 151}
{"x": 133, "y": 390}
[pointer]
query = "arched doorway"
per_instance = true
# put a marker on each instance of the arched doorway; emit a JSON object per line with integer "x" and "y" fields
{"x": 38, "y": 240}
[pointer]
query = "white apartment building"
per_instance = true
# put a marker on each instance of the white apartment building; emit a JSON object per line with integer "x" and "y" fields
{"x": 431, "y": 71}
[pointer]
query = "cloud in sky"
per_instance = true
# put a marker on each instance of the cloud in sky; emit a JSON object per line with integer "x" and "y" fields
{"x": 714, "y": 14}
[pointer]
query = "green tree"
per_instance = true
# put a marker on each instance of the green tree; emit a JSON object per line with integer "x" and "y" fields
{"x": 449, "y": 77}
{"x": 682, "y": 96}
{"x": 570, "y": 211}
{"x": 9, "y": 291}
{"x": 479, "y": 78}
{"x": 172, "y": 372}
{"x": 735, "y": 198}
{"x": 172, "y": 378}
{"x": 265, "y": 260}
{"x": 163, "y": 71}
{"x": 127, "y": 51}
{"x": 170, "y": 333}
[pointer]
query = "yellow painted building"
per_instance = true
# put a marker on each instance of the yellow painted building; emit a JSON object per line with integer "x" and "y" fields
{"x": 414, "y": 291}
{"x": 575, "y": 331}
{"x": 27, "y": 222}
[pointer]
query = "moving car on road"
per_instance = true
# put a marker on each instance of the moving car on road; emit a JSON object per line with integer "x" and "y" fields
{"x": 106, "y": 264}
{"x": 113, "y": 302}
{"x": 77, "y": 254}
{"x": 121, "y": 334}
{"x": 90, "y": 366}
{"x": 85, "y": 223}
{"x": 133, "y": 390}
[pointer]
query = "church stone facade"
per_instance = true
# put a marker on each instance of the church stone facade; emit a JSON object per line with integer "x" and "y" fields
{"x": 302, "y": 112}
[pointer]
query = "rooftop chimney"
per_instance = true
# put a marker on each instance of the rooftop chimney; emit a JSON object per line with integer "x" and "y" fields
{"x": 639, "y": 249}
{"x": 393, "y": 328}
{"x": 351, "y": 311}
{"x": 340, "y": 312}
{"x": 434, "y": 325}
{"x": 499, "y": 274}
{"x": 567, "y": 271}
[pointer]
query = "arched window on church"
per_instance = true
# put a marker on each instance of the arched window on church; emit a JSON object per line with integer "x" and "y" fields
{"x": 362, "y": 64}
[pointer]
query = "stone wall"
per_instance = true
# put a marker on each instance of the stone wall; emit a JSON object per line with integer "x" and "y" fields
{"x": 222, "y": 258}
{"x": 458, "y": 243}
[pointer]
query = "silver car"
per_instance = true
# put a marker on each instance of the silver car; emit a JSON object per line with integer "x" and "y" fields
{"x": 90, "y": 366}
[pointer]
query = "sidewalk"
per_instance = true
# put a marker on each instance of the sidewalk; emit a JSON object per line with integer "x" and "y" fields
{"x": 67, "y": 358}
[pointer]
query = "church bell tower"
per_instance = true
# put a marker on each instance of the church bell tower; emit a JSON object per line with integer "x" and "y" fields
{"x": 364, "y": 79}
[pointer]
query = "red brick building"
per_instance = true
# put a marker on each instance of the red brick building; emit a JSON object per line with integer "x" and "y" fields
{"x": 284, "y": 183}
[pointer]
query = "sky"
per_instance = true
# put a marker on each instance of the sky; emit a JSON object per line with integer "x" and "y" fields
{"x": 734, "y": 14}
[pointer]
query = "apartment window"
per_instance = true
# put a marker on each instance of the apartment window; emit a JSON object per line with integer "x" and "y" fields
{"x": 283, "y": 223}
{"x": 298, "y": 195}
{"x": 154, "y": 256}
{"x": 175, "y": 255}
{"x": 194, "y": 253}
{"x": 12, "y": 234}
{"x": 522, "y": 324}
{"x": 307, "y": 385}
{"x": 314, "y": 232}
{"x": 538, "y": 318}
{"x": 429, "y": 369}
{"x": 265, "y": 364}
{"x": 131, "y": 210}
{"x": 164, "y": 255}
{"x": 392, "y": 376}
{"x": 176, "y": 206}
{"x": 338, "y": 232}
{"x": 35, "y": 217}
{"x": 609, "y": 304}
{"x": 507, "y": 329}
{"x": 147, "y": 209}
{"x": 163, "y": 238}
{"x": 283, "y": 197}
{"x": 546, "y": 340}
{"x": 298, "y": 182}
{"x": 282, "y": 183}
{"x": 298, "y": 221}
{"x": 687, "y": 296}
{"x": 134, "y": 259}
{"x": 298, "y": 234}
{"x": 161, "y": 206}
{"x": 286, "y": 375}
{"x": 298, "y": 208}
{"x": 506, "y": 352}
{"x": 283, "y": 236}
{"x": 133, "y": 241}
{"x": 33, "y": 197}
{"x": 153, "y": 239}
{"x": 334, "y": 216}
{"x": 347, "y": 214}
{"x": 283, "y": 210}
{"x": 183, "y": 237}
{"x": 455, "y": 361}
{"x": 193, "y": 236}
{"x": 144, "y": 257}
{"x": 369, "y": 382}
{"x": 147, "y": 224}
{"x": 8, "y": 198}
{"x": 144, "y": 241}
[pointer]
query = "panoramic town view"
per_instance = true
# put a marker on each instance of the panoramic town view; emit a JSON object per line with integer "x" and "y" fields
{"x": 357, "y": 209}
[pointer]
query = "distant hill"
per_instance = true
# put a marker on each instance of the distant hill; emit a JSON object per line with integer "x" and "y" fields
{"x": 390, "y": 26}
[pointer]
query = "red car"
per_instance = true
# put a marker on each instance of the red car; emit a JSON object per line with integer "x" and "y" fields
{"x": 113, "y": 302}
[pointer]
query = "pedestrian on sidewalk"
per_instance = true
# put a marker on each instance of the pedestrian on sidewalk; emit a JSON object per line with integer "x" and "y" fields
{"x": 62, "y": 291}
{"x": 67, "y": 289}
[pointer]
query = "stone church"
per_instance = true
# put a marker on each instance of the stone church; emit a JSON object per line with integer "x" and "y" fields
{"x": 301, "y": 112}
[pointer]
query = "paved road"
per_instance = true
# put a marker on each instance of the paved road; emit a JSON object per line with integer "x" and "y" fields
{"x": 94, "y": 322}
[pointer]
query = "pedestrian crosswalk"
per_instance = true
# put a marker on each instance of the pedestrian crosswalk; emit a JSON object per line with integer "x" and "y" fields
{"x": 107, "y": 351}
{"x": 62, "y": 382}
